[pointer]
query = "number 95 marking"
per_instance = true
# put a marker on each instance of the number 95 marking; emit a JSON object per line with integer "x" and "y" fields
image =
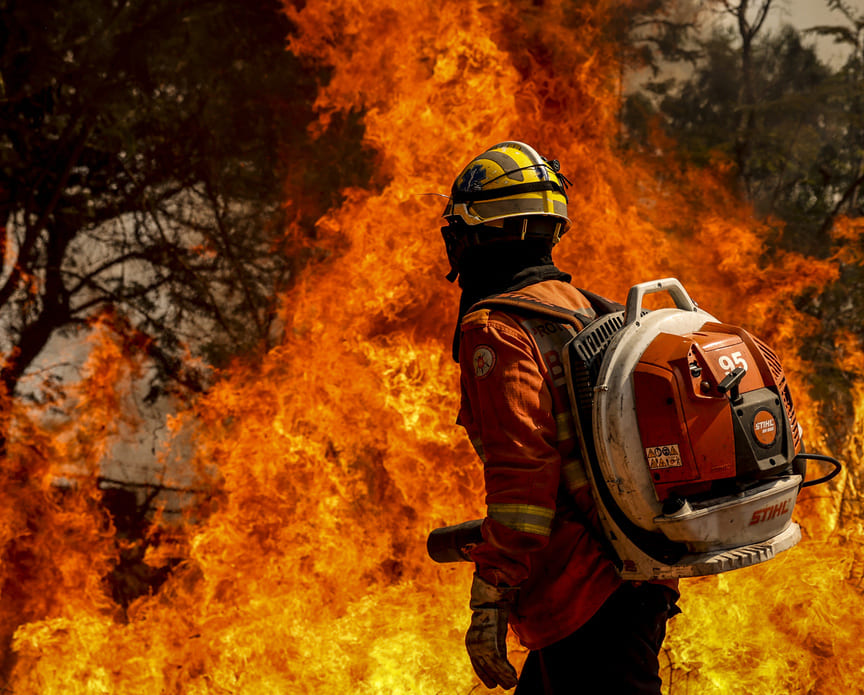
{"x": 730, "y": 362}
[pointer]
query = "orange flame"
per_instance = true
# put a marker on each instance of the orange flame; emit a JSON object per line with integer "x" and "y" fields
{"x": 337, "y": 455}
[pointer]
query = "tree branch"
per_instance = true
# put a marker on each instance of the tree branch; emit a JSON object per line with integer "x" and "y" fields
{"x": 760, "y": 17}
{"x": 84, "y": 280}
{"x": 225, "y": 238}
{"x": 828, "y": 223}
{"x": 34, "y": 231}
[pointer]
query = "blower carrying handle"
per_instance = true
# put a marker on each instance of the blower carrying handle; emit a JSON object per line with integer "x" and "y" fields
{"x": 637, "y": 293}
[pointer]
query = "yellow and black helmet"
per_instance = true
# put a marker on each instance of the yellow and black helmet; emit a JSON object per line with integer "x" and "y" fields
{"x": 508, "y": 193}
{"x": 507, "y": 180}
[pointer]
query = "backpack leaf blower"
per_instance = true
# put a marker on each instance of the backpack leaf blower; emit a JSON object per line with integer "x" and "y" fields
{"x": 689, "y": 439}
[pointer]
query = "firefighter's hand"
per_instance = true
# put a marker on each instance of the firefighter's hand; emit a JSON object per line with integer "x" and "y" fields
{"x": 486, "y": 639}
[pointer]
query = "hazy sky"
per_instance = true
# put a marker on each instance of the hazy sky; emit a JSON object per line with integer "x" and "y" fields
{"x": 807, "y": 13}
{"x": 801, "y": 14}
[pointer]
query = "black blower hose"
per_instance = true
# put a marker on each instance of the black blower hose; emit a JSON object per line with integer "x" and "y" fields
{"x": 821, "y": 457}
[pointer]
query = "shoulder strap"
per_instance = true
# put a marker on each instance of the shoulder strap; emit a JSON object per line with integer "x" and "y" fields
{"x": 600, "y": 304}
{"x": 522, "y": 304}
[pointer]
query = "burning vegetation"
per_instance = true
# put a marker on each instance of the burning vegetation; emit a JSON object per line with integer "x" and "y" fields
{"x": 323, "y": 464}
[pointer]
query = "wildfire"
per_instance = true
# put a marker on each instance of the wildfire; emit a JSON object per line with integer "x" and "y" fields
{"x": 332, "y": 460}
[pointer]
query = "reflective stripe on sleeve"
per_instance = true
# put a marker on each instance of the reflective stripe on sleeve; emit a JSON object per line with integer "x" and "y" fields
{"x": 523, "y": 517}
{"x": 574, "y": 475}
{"x": 566, "y": 430}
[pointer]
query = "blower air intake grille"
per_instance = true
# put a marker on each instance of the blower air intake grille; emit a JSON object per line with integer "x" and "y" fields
{"x": 594, "y": 338}
{"x": 586, "y": 354}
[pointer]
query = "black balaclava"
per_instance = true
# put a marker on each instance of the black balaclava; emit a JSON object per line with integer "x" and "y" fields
{"x": 492, "y": 269}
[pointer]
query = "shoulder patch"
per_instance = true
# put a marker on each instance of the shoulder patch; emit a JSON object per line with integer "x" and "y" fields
{"x": 483, "y": 360}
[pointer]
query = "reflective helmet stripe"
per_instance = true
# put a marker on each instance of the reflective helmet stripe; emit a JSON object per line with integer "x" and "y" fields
{"x": 491, "y": 194}
{"x": 506, "y": 162}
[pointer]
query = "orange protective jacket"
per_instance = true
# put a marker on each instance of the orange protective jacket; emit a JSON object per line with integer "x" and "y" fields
{"x": 537, "y": 535}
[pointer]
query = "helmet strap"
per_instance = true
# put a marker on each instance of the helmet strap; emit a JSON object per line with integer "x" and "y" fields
{"x": 556, "y": 235}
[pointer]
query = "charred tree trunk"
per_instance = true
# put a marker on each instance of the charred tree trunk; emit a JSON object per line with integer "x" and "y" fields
{"x": 52, "y": 313}
{"x": 747, "y": 30}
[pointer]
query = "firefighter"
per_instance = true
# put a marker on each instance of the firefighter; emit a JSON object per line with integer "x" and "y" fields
{"x": 542, "y": 566}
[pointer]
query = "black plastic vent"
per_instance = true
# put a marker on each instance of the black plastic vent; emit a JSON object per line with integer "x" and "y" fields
{"x": 587, "y": 350}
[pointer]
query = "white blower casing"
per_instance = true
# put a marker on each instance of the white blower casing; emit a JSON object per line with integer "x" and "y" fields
{"x": 709, "y": 488}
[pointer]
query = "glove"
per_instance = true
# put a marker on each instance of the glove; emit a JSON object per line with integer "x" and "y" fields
{"x": 486, "y": 639}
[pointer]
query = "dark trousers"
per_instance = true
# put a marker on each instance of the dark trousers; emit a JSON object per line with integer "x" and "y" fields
{"x": 614, "y": 653}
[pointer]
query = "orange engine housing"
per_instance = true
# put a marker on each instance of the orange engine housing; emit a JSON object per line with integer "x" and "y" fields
{"x": 695, "y": 436}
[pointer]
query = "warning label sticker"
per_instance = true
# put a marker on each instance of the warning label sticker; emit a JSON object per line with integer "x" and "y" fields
{"x": 663, "y": 457}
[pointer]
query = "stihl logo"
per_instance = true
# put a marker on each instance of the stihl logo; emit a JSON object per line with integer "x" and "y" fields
{"x": 765, "y": 428}
{"x": 767, "y": 513}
